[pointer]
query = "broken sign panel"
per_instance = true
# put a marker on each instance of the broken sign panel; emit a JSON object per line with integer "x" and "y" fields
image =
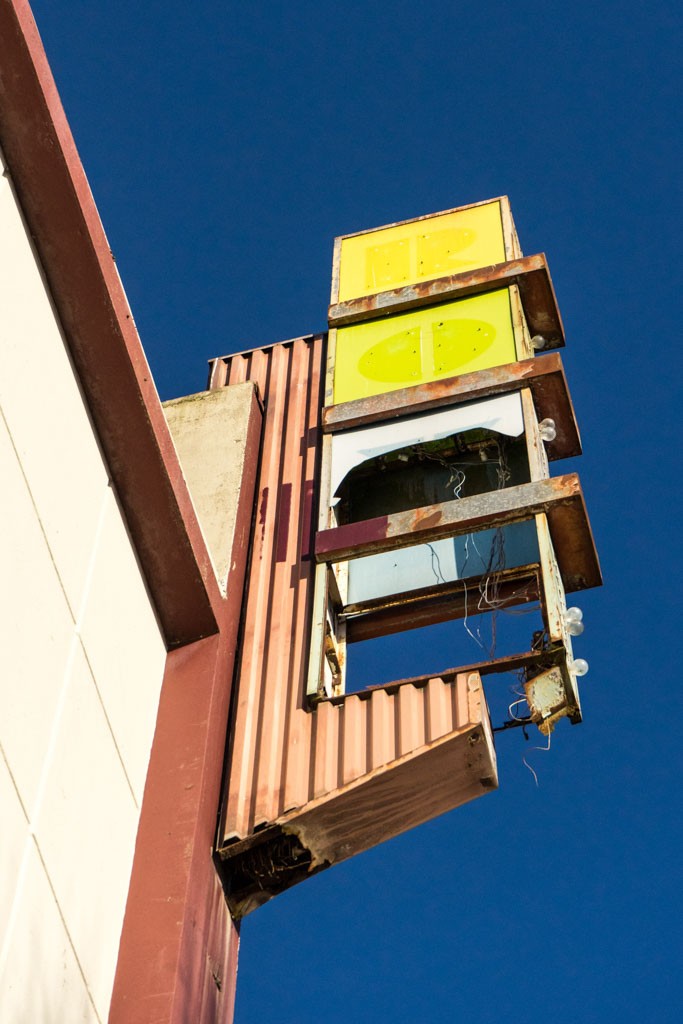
{"x": 502, "y": 415}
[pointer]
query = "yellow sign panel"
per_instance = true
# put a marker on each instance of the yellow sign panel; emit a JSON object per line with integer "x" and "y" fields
{"x": 377, "y": 356}
{"x": 421, "y": 250}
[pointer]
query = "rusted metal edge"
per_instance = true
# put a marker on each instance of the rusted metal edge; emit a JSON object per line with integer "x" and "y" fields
{"x": 544, "y": 375}
{"x": 358, "y": 815}
{"x": 494, "y": 666}
{"x": 425, "y": 216}
{"x": 453, "y": 588}
{"x": 529, "y": 273}
{"x": 560, "y": 497}
{"x": 265, "y": 348}
{"x": 424, "y": 775}
{"x": 413, "y": 610}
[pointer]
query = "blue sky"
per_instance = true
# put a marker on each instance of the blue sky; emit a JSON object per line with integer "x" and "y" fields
{"x": 226, "y": 145}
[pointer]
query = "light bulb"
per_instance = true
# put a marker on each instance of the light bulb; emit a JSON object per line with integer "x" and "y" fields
{"x": 579, "y": 666}
{"x": 546, "y": 429}
{"x": 538, "y": 342}
{"x": 573, "y": 620}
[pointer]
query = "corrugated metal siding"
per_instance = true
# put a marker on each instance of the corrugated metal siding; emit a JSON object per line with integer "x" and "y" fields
{"x": 283, "y": 755}
{"x": 369, "y": 730}
{"x": 270, "y": 760}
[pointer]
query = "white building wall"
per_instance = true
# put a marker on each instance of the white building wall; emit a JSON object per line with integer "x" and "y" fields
{"x": 81, "y": 665}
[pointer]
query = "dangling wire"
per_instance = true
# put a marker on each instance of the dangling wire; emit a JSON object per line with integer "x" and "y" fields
{"x": 457, "y": 482}
{"x": 514, "y": 704}
{"x": 489, "y": 581}
{"x": 477, "y": 639}
{"x": 545, "y": 750}
{"x": 436, "y": 565}
{"x": 490, "y": 568}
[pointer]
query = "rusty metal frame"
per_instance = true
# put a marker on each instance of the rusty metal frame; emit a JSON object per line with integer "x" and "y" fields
{"x": 544, "y": 375}
{"x": 529, "y": 273}
{"x": 560, "y": 498}
{"x": 555, "y": 504}
{"x": 556, "y": 653}
{"x": 542, "y": 386}
{"x": 531, "y": 662}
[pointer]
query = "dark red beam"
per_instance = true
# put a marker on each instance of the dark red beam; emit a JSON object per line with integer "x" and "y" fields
{"x": 53, "y": 192}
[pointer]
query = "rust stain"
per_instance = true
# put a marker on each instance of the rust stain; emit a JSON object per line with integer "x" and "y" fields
{"x": 263, "y": 507}
{"x": 482, "y": 279}
{"x": 285, "y": 502}
{"x": 307, "y": 520}
{"x": 427, "y": 518}
{"x": 543, "y": 374}
{"x": 560, "y": 497}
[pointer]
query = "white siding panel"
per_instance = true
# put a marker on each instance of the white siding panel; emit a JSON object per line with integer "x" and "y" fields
{"x": 124, "y": 646}
{"x": 42, "y": 403}
{"x": 87, "y": 796}
{"x": 14, "y": 836}
{"x": 36, "y": 630}
{"x": 81, "y": 666}
{"x": 41, "y": 982}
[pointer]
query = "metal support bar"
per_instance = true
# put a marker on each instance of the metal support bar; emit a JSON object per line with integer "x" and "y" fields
{"x": 412, "y": 610}
{"x": 529, "y": 273}
{"x": 560, "y": 497}
{"x": 543, "y": 375}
